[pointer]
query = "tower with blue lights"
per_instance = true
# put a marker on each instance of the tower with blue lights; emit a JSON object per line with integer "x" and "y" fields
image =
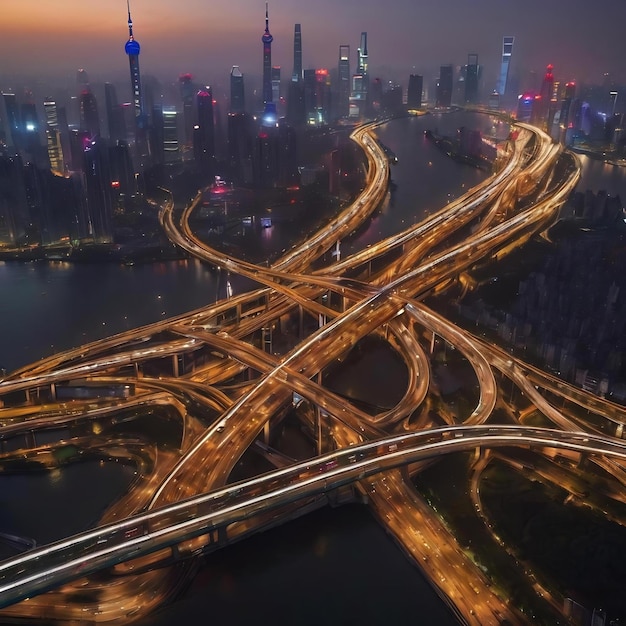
{"x": 132, "y": 50}
{"x": 267, "y": 60}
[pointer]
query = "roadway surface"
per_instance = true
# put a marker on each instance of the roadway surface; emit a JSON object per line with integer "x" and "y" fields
{"x": 182, "y": 502}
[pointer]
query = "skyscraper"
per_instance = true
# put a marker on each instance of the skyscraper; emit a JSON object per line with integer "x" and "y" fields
{"x": 343, "y": 75}
{"x": 267, "y": 59}
{"x": 414, "y": 93}
{"x": 444, "y": 86}
{"x": 89, "y": 118}
{"x": 360, "y": 81}
{"x": 297, "y": 54}
{"x": 204, "y": 132}
{"x": 507, "y": 52}
{"x": 471, "y": 79}
{"x": 115, "y": 114}
{"x": 237, "y": 94}
{"x": 132, "y": 50}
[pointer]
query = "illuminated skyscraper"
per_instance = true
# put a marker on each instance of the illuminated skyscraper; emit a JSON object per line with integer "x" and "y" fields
{"x": 267, "y": 59}
{"x": 343, "y": 75}
{"x": 237, "y": 94}
{"x": 297, "y": 54}
{"x": 360, "y": 81}
{"x": 132, "y": 50}
{"x": 507, "y": 52}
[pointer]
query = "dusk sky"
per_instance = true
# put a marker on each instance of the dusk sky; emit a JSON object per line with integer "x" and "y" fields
{"x": 582, "y": 38}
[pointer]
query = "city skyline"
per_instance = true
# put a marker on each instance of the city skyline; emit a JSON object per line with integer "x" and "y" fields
{"x": 410, "y": 38}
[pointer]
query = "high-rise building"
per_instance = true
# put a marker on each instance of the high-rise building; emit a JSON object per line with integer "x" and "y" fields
{"x": 359, "y": 97}
{"x": 55, "y": 150}
{"x": 187, "y": 92}
{"x": 89, "y": 118}
{"x": 544, "y": 107}
{"x": 267, "y": 59}
{"x": 132, "y": 50}
{"x": 444, "y": 86}
{"x": 115, "y": 114}
{"x": 99, "y": 188}
{"x": 471, "y": 79}
{"x": 170, "y": 133}
{"x": 82, "y": 79}
{"x": 241, "y": 147}
{"x": 204, "y": 132}
{"x": 30, "y": 129}
{"x": 414, "y": 92}
{"x": 297, "y": 54}
{"x": 237, "y": 94}
{"x": 14, "y": 214}
{"x": 343, "y": 77}
{"x": 317, "y": 96}
{"x": 507, "y": 52}
{"x": 13, "y": 119}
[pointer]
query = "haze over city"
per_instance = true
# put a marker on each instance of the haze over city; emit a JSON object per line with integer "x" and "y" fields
{"x": 582, "y": 39}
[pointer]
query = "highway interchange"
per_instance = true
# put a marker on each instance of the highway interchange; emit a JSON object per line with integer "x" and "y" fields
{"x": 183, "y": 500}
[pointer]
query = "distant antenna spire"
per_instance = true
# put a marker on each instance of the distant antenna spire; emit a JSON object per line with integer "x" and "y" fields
{"x": 267, "y": 18}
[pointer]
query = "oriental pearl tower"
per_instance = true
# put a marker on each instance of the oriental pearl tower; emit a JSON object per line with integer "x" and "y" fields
{"x": 132, "y": 49}
{"x": 267, "y": 60}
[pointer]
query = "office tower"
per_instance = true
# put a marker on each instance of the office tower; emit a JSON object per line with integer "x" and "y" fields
{"x": 51, "y": 112}
{"x": 89, "y": 118}
{"x": 527, "y": 106}
{"x": 267, "y": 59}
{"x": 237, "y": 94}
{"x": 187, "y": 92}
{"x": 99, "y": 188}
{"x": 55, "y": 150}
{"x": 13, "y": 119}
{"x": 297, "y": 54}
{"x": 123, "y": 182}
{"x": 444, "y": 86}
{"x": 115, "y": 114}
{"x": 204, "y": 132}
{"x": 30, "y": 129}
{"x": 14, "y": 214}
{"x": 241, "y": 147}
{"x": 363, "y": 60}
{"x": 565, "y": 116}
{"x": 612, "y": 102}
{"x": 375, "y": 96}
{"x": 360, "y": 81}
{"x": 82, "y": 79}
{"x": 276, "y": 84}
{"x": 79, "y": 140}
{"x": 543, "y": 111}
{"x": 132, "y": 50}
{"x": 414, "y": 92}
{"x": 507, "y": 52}
{"x": 471, "y": 79}
{"x": 170, "y": 133}
{"x": 343, "y": 78}
{"x": 317, "y": 96}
